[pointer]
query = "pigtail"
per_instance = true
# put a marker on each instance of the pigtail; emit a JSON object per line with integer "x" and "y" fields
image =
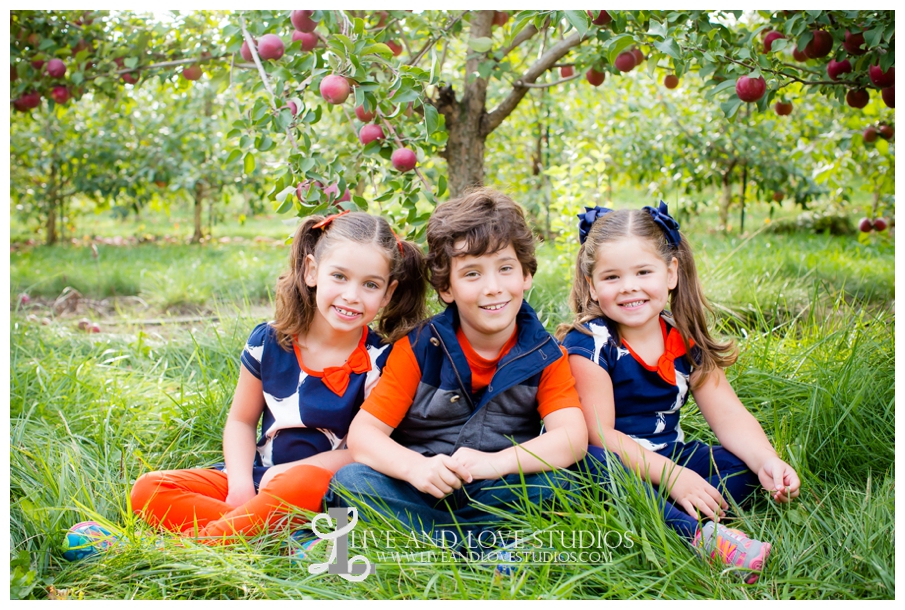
{"x": 580, "y": 302}
{"x": 408, "y": 306}
{"x": 295, "y": 300}
{"x": 691, "y": 310}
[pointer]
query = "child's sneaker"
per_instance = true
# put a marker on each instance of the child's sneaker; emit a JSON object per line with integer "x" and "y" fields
{"x": 86, "y": 539}
{"x": 734, "y": 548}
{"x": 304, "y": 547}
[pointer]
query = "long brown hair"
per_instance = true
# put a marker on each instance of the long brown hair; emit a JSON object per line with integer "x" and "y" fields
{"x": 296, "y": 301}
{"x": 688, "y": 305}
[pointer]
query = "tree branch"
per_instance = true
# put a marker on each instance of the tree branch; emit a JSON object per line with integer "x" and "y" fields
{"x": 520, "y": 88}
{"x": 553, "y": 84}
{"x": 433, "y": 41}
{"x": 521, "y": 37}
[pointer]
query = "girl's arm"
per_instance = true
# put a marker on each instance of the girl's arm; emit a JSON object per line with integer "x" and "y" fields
{"x": 741, "y": 434}
{"x": 687, "y": 488}
{"x": 239, "y": 437}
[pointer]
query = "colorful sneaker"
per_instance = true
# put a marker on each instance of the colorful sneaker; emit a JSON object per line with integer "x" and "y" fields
{"x": 86, "y": 539}
{"x": 734, "y": 548}
{"x": 305, "y": 547}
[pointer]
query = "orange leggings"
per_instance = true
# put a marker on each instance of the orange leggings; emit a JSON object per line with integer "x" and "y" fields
{"x": 178, "y": 500}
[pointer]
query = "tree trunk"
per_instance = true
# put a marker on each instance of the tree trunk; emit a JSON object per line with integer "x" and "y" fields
{"x": 51, "y": 226}
{"x": 199, "y": 207}
{"x": 725, "y": 200}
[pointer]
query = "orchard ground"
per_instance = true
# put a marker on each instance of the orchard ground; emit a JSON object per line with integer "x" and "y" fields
{"x": 90, "y": 412}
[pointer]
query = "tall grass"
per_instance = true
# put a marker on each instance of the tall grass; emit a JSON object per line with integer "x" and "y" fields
{"x": 90, "y": 413}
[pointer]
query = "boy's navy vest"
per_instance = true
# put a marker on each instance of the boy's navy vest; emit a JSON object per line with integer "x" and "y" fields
{"x": 445, "y": 415}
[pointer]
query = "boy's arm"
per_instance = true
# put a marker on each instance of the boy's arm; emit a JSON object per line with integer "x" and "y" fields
{"x": 370, "y": 444}
{"x": 742, "y": 435}
{"x": 564, "y": 442}
{"x": 369, "y": 435}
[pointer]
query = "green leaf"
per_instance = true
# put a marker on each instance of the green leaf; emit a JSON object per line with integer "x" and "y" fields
{"x": 669, "y": 47}
{"x": 235, "y": 154}
{"x": 657, "y": 29}
{"x": 872, "y": 38}
{"x": 578, "y": 20}
{"x": 249, "y": 164}
{"x": 130, "y": 62}
{"x": 616, "y": 45}
{"x": 485, "y": 68}
{"x": 481, "y": 45}
{"x": 731, "y": 106}
{"x": 265, "y": 144}
{"x": 378, "y": 48}
{"x": 441, "y": 185}
{"x": 726, "y": 84}
{"x": 431, "y": 118}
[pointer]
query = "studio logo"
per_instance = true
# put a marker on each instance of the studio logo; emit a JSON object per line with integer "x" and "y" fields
{"x": 354, "y": 569}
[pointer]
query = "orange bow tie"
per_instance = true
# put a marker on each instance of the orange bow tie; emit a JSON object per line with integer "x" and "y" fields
{"x": 666, "y": 365}
{"x": 336, "y": 378}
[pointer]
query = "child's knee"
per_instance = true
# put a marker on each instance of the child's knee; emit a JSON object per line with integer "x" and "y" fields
{"x": 145, "y": 488}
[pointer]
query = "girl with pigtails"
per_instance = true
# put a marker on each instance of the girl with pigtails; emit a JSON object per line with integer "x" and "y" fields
{"x": 303, "y": 376}
{"x": 638, "y": 345}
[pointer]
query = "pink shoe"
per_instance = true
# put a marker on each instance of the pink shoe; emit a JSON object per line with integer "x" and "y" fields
{"x": 734, "y": 548}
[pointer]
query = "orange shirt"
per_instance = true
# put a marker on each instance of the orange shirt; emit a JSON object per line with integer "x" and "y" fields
{"x": 391, "y": 398}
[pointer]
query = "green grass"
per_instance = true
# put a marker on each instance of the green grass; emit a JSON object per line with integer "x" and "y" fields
{"x": 89, "y": 413}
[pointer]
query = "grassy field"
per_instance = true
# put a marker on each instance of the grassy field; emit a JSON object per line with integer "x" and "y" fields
{"x": 91, "y": 412}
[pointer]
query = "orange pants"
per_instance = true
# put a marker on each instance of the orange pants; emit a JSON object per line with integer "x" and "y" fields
{"x": 180, "y": 500}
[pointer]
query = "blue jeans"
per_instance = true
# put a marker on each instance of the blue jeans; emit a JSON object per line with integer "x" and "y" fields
{"x": 462, "y": 512}
{"x": 716, "y": 465}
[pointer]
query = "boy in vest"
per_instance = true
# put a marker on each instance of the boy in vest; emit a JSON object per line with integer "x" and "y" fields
{"x": 455, "y": 421}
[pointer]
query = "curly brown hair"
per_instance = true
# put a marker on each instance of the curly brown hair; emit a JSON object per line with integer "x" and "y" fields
{"x": 295, "y": 300}
{"x": 486, "y": 221}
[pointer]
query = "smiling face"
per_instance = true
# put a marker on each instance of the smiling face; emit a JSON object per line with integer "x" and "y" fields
{"x": 631, "y": 283}
{"x": 353, "y": 284}
{"x": 488, "y": 291}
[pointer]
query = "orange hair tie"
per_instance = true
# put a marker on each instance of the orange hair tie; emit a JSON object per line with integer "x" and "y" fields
{"x": 326, "y": 221}
{"x": 399, "y": 244}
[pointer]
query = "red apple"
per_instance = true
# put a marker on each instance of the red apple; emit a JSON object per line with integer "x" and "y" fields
{"x": 594, "y": 77}
{"x": 566, "y": 71}
{"x": 293, "y": 108}
{"x": 301, "y": 21}
{"x": 820, "y": 45}
{"x": 769, "y": 38}
{"x": 869, "y": 135}
{"x": 24, "y": 299}
{"x": 783, "y": 108}
{"x": 778, "y": 196}
{"x": 865, "y": 225}
{"x": 602, "y": 18}
{"x": 13, "y": 73}
{"x": 94, "y": 328}
{"x": 404, "y": 159}
{"x": 33, "y": 39}
{"x": 333, "y": 191}
{"x": 270, "y": 46}
{"x": 671, "y": 81}
{"x": 28, "y": 101}
{"x": 639, "y": 56}
{"x": 853, "y": 43}
{"x": 889, "y": 96}
{"x": 625, "y": 61}
{"x": 750, "y": 89}
{"x": 369, "y": 133}
{"x": 56, "y": 68}
{"x": 886, "y": 132}
{"x": 81, "y": 45}
{"x": 309, "y": 40}
{"x": 382, "y": 18}
{"x": 37, "y": 64}
{"x": 879, "y": 224}
{"x": 882, "y": 79}
{"x": 857, "y": 98}
{"x": 60, "y": 94}
{"x": 335, "y": 89}
{"x": 192, "y": 72}
{"x": 799, "y": 55}
{"x": 84, "y": 324}
{"x": 835, "y": 68}
{"x": 500, "y": 18}
{"x": 363, "y": 115}
{"x": 129, "y": 77}
{"x": 246, "y": 52}
{"x": 395, "y": 47}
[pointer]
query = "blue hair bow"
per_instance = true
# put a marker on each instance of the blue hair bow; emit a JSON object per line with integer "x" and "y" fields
{"x": 587, "y": 218}
{"x": 666, "y": 222}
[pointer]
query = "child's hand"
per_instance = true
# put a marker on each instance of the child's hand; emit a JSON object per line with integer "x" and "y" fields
{"x": 478, "y": 463}
{"x": 240, "y": 493}
{"x": 779, "y": 478}
{"x": 439, "y": 475}
{"x": 694, "y": 494}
